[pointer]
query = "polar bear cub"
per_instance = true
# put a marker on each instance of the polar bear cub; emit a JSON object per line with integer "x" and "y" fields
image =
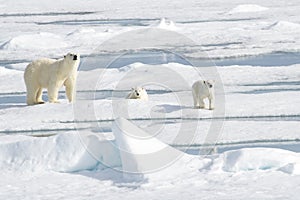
{"x": 203, "y": 89}
{"x": 51, "y": 74}
{"x": 138, "y": 93}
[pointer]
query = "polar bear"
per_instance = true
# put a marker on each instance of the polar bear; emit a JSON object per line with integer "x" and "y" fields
{"x": 51, "y": 74}
{"x": 203, "y": 89}
{"x": 138, "y": 93}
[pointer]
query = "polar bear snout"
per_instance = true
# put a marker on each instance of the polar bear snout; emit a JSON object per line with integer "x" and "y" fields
{"x": 72, "y": 56}
{"x": 137, "y": 93}
{"x": 75, "y": 57}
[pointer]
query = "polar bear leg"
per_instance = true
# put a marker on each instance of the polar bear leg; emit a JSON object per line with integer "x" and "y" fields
{"x": 201, "y": 102}
{"x": 39, "y": 96}
{"x": 31, "y": 94}
{"x": 70, "y": 90}
{"x": 196, "y": 99}
{"x": 211, "y": 103}
{"x": 53, "y": 93}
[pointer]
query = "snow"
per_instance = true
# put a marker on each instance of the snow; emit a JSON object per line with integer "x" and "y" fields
{"x": 140, "y": 152}
{"x": 61, "y": 153}
{"x": 284, "y": 26}
{"x": 37, "y": 41}
{"x": 261, "y": 159}
{"x": 44, "y": 160}
{"x": 107, "y": 147}
{"x": 248, "y": 8}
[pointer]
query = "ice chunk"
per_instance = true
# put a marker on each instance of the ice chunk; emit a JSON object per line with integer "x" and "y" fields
{"x": 260, "y": 159}
{"x": 140, "y": 152}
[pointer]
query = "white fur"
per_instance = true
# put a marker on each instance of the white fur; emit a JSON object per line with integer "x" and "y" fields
{"x": 203, "y": 89}
{"x": 138, "y": 93}
{"x": 51, "y": 74}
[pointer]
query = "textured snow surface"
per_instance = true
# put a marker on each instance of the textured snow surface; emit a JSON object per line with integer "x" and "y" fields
{"x": 46, "y": 154}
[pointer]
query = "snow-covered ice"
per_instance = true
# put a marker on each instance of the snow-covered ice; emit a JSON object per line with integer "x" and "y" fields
{"x": 248, "y": 8}
{"x": 79, "y": 151}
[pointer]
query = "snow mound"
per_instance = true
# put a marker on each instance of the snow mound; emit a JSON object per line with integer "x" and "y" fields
{"x": 261, "y": 159}
{"x": 63, "y": 153}
{"x": 144, "y": 157}
{"x": 42, "y": 41}
{"x": 166, "y": 24}
{"x": 284, "y": 26}
{"x": 245, "y": 8}
{"x": 140, "y": 152}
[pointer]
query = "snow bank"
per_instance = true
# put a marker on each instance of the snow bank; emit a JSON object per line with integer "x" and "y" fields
{"x": 134, "y": 151}
{"x": 248, "y": 8}
{"x": 64, "y": 153}
{"x": 42, "y": 40}
{"x": 140, "y": 152}
{"x": 284, "y": 26}
{"x": 261, "y": 159}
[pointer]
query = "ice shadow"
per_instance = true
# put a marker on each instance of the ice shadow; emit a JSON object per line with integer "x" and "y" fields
{"x": 14, "y": 101}
{"x": 116, "y": 177}
{"x": 266, "y": 87}
{"x": 219, "y": 20}
{"x": 167, "y": 108}
{"x": 120, "y": 22}
{"x": 45, "y": 14}
{"x": 18, "y": 100}
{"x": 290, "y": 145}
{"x": 276, "y": 83}
{"x": 264, "y": 91}
{"x": 273, "y": 59}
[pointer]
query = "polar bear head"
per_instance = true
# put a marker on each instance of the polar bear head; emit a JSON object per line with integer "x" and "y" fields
{"x": 209, "y": 83}
{"x": 72, "y": 58}
{"x": 138, "y": 93}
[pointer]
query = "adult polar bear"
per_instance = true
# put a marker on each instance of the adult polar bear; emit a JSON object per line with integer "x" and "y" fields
{"x": 51, "y": 74}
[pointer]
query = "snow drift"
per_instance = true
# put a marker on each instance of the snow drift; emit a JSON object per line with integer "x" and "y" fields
{"x": 42, "y": 41}
{"x": 245, "y": 8}
{"x": 140, "y": 152}
{"x": 284, "y": 26}
{"x": 261, "y": 159}
{"x": 134, "y": 151}
{"x": 63, "y": 153}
